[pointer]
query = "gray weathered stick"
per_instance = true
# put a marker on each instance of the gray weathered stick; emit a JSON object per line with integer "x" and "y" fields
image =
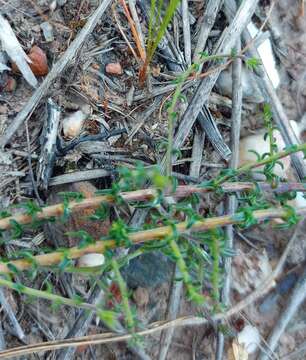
{"x": 65, "y": 59}
{"x": 211, "y": 11}
{"x": 79, "y": 176}
{"x": 8, "y": 309}
{"x": 186, "y": 32}
{"x": 231, "y": 201}
{"x": 234, "y": 161}
{"x": 48, "y": 145}
{"x": 173, "y": 308}
{"x": 197, "y": 153}
{"x": 230, "y": 36}
{"x": 297, "y": 298}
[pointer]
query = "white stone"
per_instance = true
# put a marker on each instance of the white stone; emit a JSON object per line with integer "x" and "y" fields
{"x": 249, "y": 337}
{"x": 91, "y": 260}
{"x": 73, "y": 123}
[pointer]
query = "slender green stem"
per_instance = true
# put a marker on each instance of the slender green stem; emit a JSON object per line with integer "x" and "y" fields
{"x": 129, "y": 319}
{"x": 249, "y": 166}
{"x": 215, "y": 276}
{"x": 193, "y": 294}
{"x": 57, "y": 299}
{"x": 156, "y": 36}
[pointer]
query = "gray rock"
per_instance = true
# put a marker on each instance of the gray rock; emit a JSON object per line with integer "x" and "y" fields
{"x": 147, "y": 270}
{"x": 268, "y": 304}
{"x": 250, "y": 90}
{"x": 47, "y": 29}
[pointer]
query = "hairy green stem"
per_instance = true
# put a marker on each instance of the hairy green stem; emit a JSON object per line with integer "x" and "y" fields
{"x": 193, "y": 294}
{"x": 57, "y": 299}
{"x": 249, "y": 166}
{"x": 129, "y": 319}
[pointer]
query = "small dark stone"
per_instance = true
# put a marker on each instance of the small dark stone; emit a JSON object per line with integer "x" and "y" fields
{"x": 287, "y": 283}
{"x": 269, "y": 303}
{"x": 148, "y": 270}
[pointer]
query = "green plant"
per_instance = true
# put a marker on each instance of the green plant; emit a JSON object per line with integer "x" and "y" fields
{"x": 193, "y": 240}
{"x": 159, "y": 19}
{"x": 172, "y": 237}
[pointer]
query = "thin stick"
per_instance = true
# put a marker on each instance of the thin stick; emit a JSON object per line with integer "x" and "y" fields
{"x": 65, "y": 59}
{"x": 231, "y": 201}
{"x": 132, "y": 6}
{"x": 297, "y": 298}
{"x": 77, "y": 176}
{"x": 186, "y": 32}
{"x": 136, "y": 36}
{"x": 8, "y": 309}
{"x": 209, "y": 17}
{"x": 143, "y": 195}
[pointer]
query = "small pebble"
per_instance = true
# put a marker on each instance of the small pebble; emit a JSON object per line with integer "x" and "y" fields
{"x": 249, "y": 337}
{"x": 10, "y": 85}
{"x": 39, "y": 64}
{"x": 73, "y": 123}
{"x": 47, "y": 29}
{"x": 141, "y": 297}
{"x": 114, "y": 69}
{"x": 91, "y": 260}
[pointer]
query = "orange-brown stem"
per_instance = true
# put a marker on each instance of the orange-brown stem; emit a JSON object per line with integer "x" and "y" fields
{"x": 144, "y": 236}
{"x": 143, "y": 72}
{"x": 142, "y": 195}
{"x": 140, "y": 49}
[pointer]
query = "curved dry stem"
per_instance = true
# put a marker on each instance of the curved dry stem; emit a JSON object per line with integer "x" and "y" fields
{"x": 57, "y": 210}
{"x": 142, "y": 237}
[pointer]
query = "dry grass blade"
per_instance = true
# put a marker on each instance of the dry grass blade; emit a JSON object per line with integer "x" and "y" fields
{"x": 141, "y": 50}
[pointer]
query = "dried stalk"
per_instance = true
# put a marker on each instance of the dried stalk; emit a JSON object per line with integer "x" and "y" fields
{"x": 141, "y": 50}
{"x": 231, "y": 201}
{"x": 144, "y": 195}
{"x": 143, "y": 236}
